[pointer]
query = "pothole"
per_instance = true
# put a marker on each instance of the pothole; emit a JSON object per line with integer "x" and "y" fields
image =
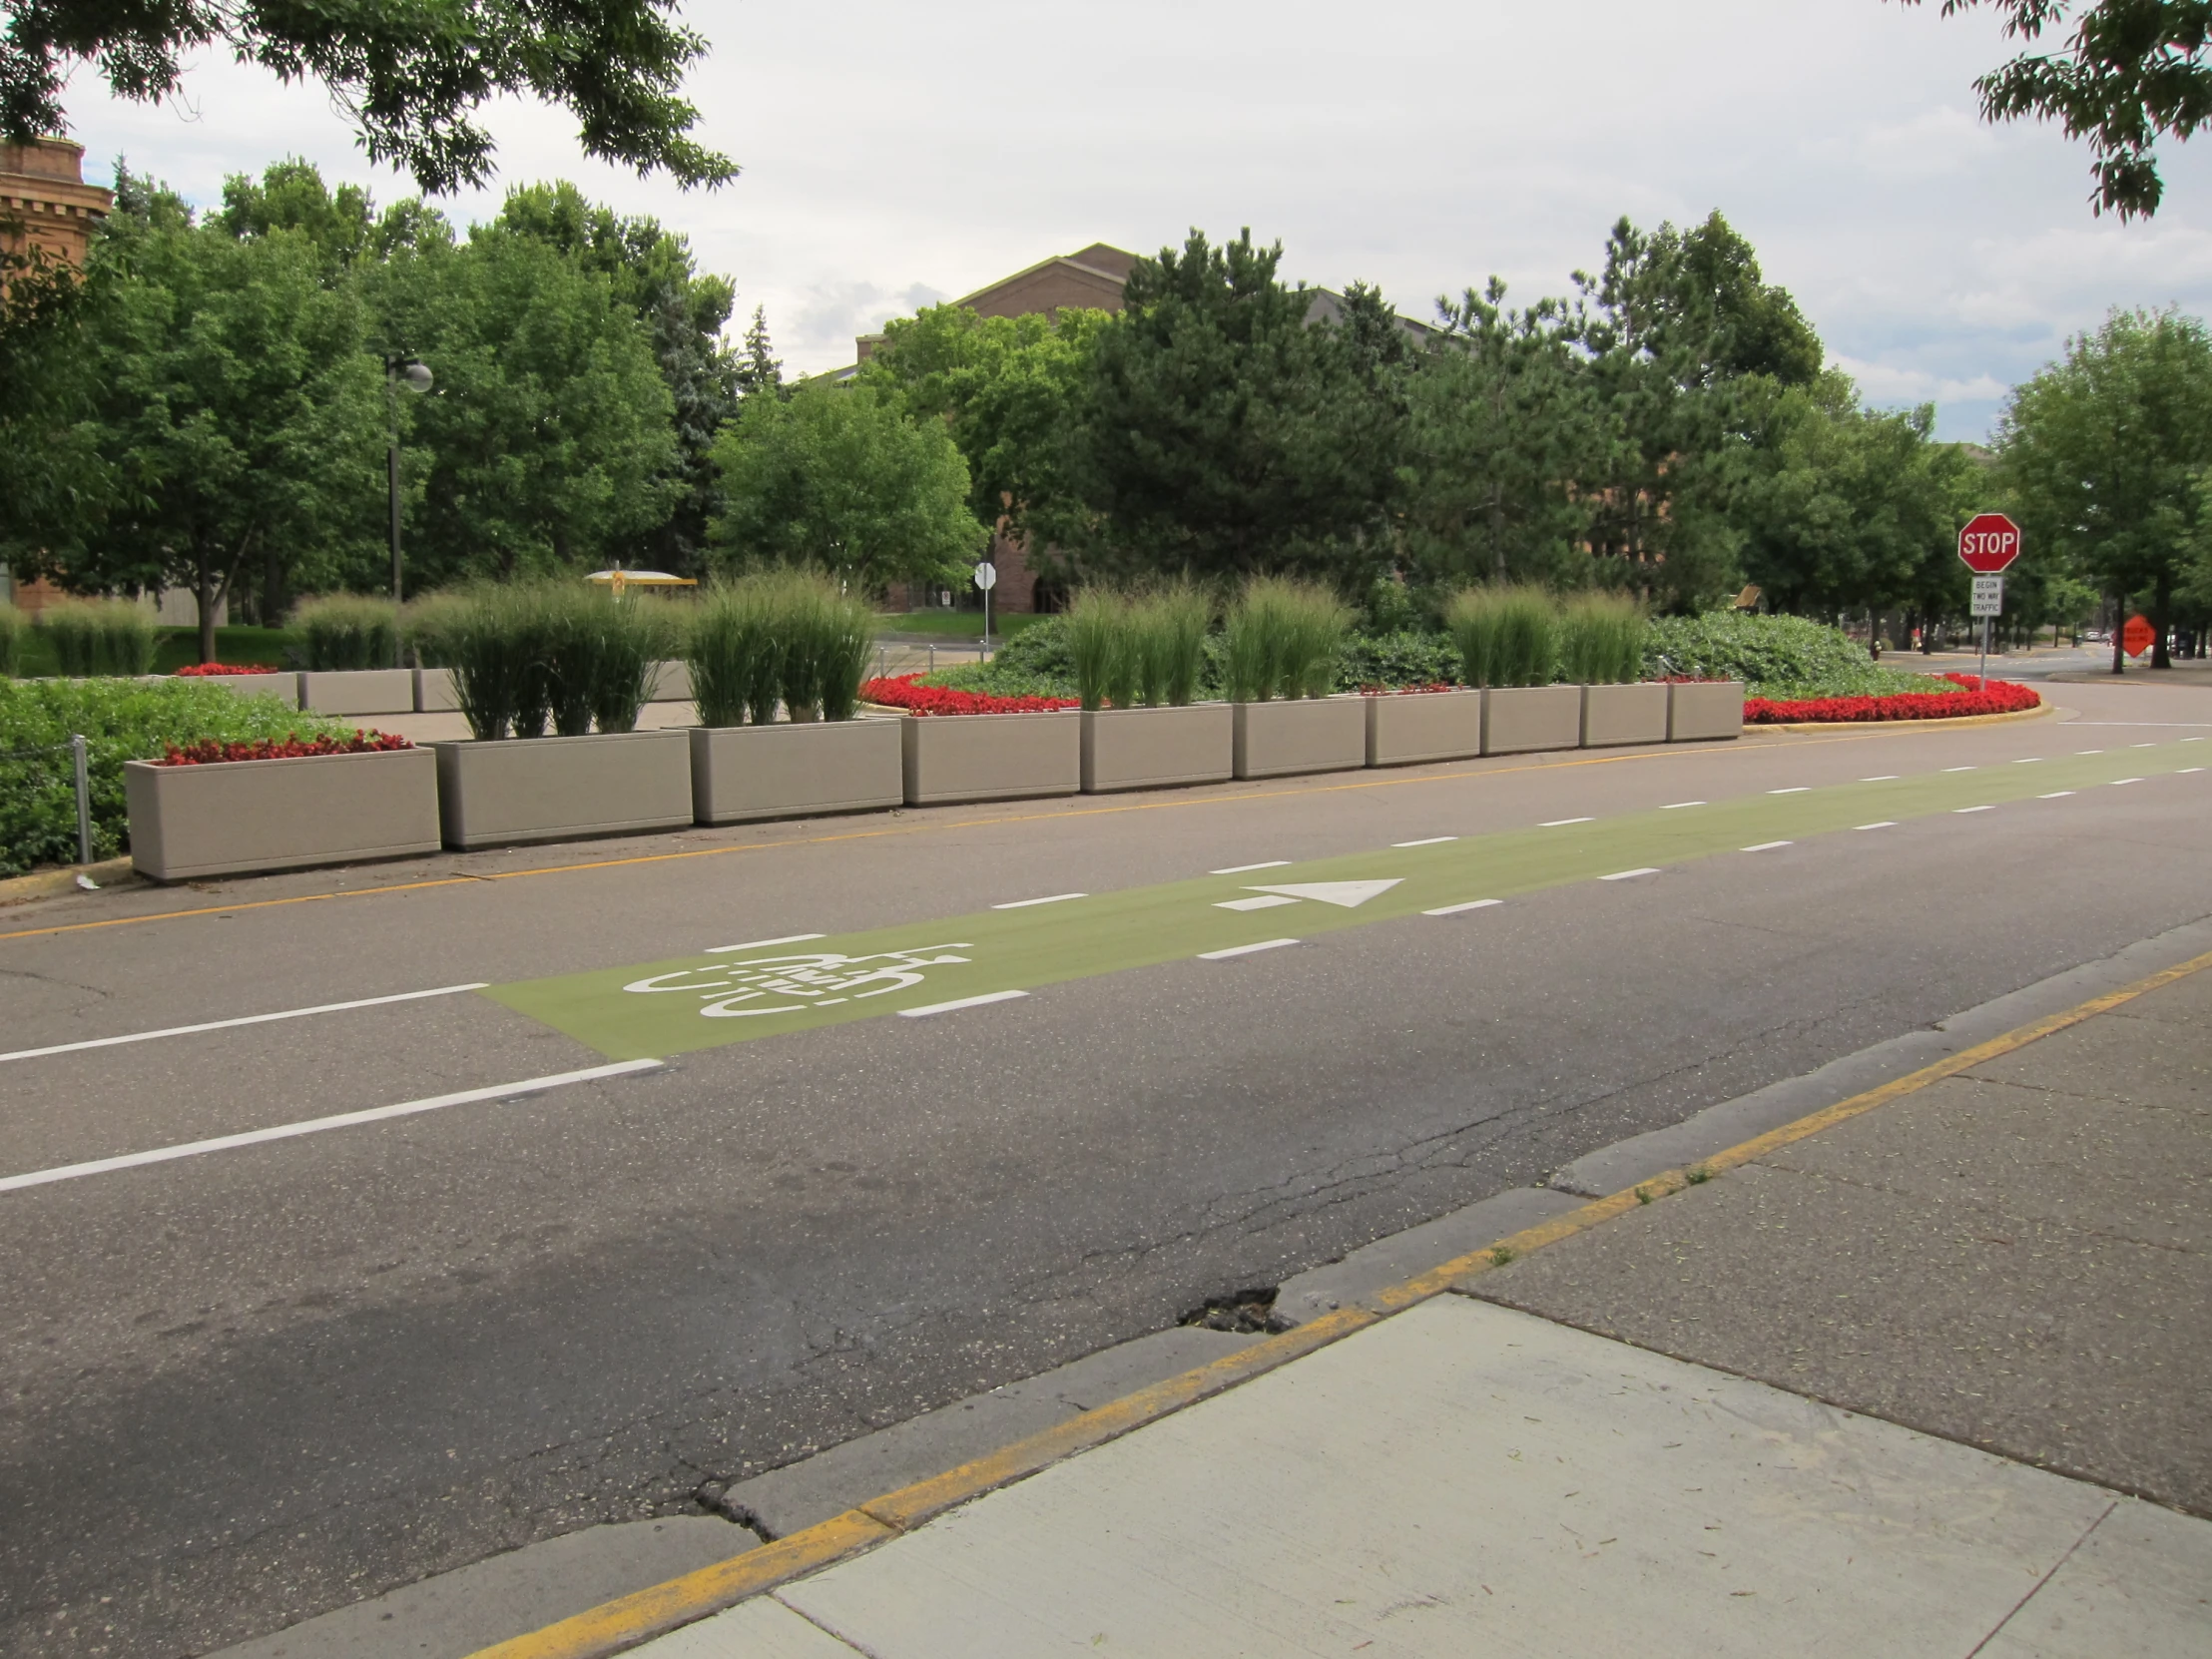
{"x": 1240, "y": 1313}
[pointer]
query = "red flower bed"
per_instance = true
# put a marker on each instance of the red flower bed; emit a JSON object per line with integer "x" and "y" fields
{"x": 209, "y": 752}
{"x": 903, "y": 693}
{"x": 1409, "y": 690}
{"x": 194, "y": 671}
{"x": 2003, "y": 698}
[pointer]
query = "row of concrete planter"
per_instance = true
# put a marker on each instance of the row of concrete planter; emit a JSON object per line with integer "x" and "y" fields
{"x": 393, "y": 691}
{"x": 234, "y": 818}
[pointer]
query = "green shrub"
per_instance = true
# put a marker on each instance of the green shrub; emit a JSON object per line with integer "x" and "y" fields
{"x": 1283, "y": 638}
{"x": 1507, "y": 636}
{"x": 100, "y": 636}
{"x": 1775, "y": 656}
{"x": 124, "y": 719}
{"x": 1103, "y": 646}
{"x": 1401, "y": 659}
{"x": 1168, "y": 636}
{"x": 11, "y": 641}
{"x": 1601, "y": 638}
{"x": 342, "y": 631}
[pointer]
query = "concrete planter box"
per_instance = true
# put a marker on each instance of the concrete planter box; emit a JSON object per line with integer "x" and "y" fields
{"x": 1701, "y": 711}
{"x": 434, "y": 693}
{"x": 1150, "y": 749}
{"x": 241, "y": 815}
{"x": 1406, "y": 729}
{"x": 562, "y": 789}
{"x": 366, "y": 691}
{"x": 671, "y": 682}
{"x": 283, "y": 687}
{"x": 1519, "y": 719}
{"x": 991, "y": 756}
{"x": 1614, "y": 714}
{"x": 794, "y": 770}
{"x": 1313, "y": 734}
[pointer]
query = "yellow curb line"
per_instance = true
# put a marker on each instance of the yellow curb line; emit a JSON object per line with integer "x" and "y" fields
{"x": 616, "y": 1625}
{"x": 1403, "y": 777}
{"x": 45, "y": 884}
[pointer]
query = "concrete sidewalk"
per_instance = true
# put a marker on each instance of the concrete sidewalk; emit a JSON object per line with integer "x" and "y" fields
{"x": 1933, "y": 1381}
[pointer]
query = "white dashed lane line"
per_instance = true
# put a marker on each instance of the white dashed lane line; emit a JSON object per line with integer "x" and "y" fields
{"x": 1024, "y": 903}
{"x": 1243, "y": 949}
{"x": 2055, "y": 795}
{"x": 1974, "y": 808}
{"x": 1795, "y": 789}
{"x": 1239, "y": 870}
{"x": 1561, "y": 822}
{"x": 1885, "y": 823}
{"x": 243, "y": 1019}
{"x": 962, "y": 1002}
{"x": 762, "y": 945}
{"x": 1462, "y": 910}
{"x": 1432, "y": 840}
{"x": 1766, "y": 847}
{"x": 1630, "y": 874}
{"x": 1677, "y": 805}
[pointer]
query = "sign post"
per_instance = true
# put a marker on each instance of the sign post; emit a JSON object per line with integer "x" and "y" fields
{"x": 987, "y": 578}
{"x": 1987, "y": 546}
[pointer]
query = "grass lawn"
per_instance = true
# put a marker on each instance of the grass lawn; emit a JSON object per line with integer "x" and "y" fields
{"x": 955, "y": 625}
{"x": 179, "y": 647}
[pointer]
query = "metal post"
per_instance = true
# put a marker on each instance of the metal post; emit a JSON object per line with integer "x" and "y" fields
{"x": 1985, "y": 653}
{"x": 932, "y": 658}
{"x": 984, "y": 653}
{"x": 84, "y": 798}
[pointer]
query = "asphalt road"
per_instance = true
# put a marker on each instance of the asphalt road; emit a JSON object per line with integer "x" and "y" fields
{"x": 246, "y": 1387}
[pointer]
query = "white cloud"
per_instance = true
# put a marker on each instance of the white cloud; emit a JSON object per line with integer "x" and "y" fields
{"x": 895, "y": 155}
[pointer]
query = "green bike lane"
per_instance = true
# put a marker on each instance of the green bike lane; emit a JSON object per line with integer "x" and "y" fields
{"x": 764, "y": 988}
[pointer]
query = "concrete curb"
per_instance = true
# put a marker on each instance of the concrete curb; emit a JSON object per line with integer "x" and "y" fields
{"x": 45, "y": 884}
{"x": 624, "y": 1623}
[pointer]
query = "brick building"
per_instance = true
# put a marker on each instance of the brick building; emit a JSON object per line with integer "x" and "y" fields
{"x": 46, "y": 205}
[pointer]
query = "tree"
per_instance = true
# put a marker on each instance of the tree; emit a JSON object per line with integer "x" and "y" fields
{"x": 2133, "y": 71}
{"x": 1223, "y": 434}
{"x": 2103, "y": 450}
{"x": 224, "y": 403}
{"x": 1503, "y": 423}
{"x": 651, "y": 271}
{"x": 548, "y": 441}
{"x": 410, "y": 75}
{"x": 760, "y": 372}
{"x": 842, "y": 478}
{"x": 1009, "y": 391}
{"x": 1850, "y": 507}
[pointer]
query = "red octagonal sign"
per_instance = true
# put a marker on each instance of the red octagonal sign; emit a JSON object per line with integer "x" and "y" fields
{"x": 1988, "y": 543}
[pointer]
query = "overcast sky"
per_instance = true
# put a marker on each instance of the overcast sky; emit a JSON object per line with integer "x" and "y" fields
{"x": 896, "y": 154}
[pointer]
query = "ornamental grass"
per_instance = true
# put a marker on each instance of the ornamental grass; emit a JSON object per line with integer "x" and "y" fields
{"x": 1103, "y": 645}
{"x": 1507, "y": 636}
{"x": 340, "y": 632}
{"x": 1283, "y": 639}
{"x": 788, "y": 638}
{"x": 11, "y": 641}
{"x": 1601, "y": 638}
{"x": 101, "y": 637}
{"x": 541, "y": 653}
{"x": 1170, "y": 626}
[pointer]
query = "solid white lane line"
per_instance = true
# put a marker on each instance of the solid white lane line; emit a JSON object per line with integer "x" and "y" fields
{"x": 243, "y": 1019}
{"x": 1676, "y": 806}
{"x": 962, "y": 1002}
{"x": 1024, "y": 903}
{"x": 2148, "y": 725}
{"x": 1561, "y": 822}
{"x": 2055, "y": 795}
{"x": 316, "y": 1126}
{"x": 1885, "y": 823}
{"x": 1266, "y": 902}
{"x": 1243, "y": 949}
{"x": 1974, "y": 808}
{"x": 1459, "y": 910}
{"x": 1432, "y": 840}
{"x": 1766, "y": 847}
{"x": 1239, "y": 870}
{"x": 760, "y": 944}
{"x": 1795, "y": 789}
{"x": 1629, "y": 874}
{"x": 1884, "y": 777}
{"x": 2118, "y": 782}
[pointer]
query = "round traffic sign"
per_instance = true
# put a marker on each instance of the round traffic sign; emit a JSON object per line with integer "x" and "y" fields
{"x": 1988, "y": 543}
{"x": 2138, "y": 636}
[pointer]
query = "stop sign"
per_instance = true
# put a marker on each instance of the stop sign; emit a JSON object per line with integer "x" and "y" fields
{"x": 1988, "y": 543}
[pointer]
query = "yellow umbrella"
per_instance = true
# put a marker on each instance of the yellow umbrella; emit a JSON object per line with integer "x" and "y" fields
{"x": 621, "y": 579}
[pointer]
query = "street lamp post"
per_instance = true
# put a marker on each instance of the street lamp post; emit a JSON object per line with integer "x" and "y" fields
{"x": 415, "y": 375}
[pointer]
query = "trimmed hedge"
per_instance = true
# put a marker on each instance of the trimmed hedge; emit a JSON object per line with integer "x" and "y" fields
{"x": 1787, "y": 657}
{"x": 125, "y": 720}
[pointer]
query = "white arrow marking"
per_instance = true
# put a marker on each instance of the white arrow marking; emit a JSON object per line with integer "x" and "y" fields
{"x": 1349, "y": 895}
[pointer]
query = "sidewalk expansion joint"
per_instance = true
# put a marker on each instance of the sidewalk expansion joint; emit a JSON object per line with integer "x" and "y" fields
{"x": 625, "y": 1623}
